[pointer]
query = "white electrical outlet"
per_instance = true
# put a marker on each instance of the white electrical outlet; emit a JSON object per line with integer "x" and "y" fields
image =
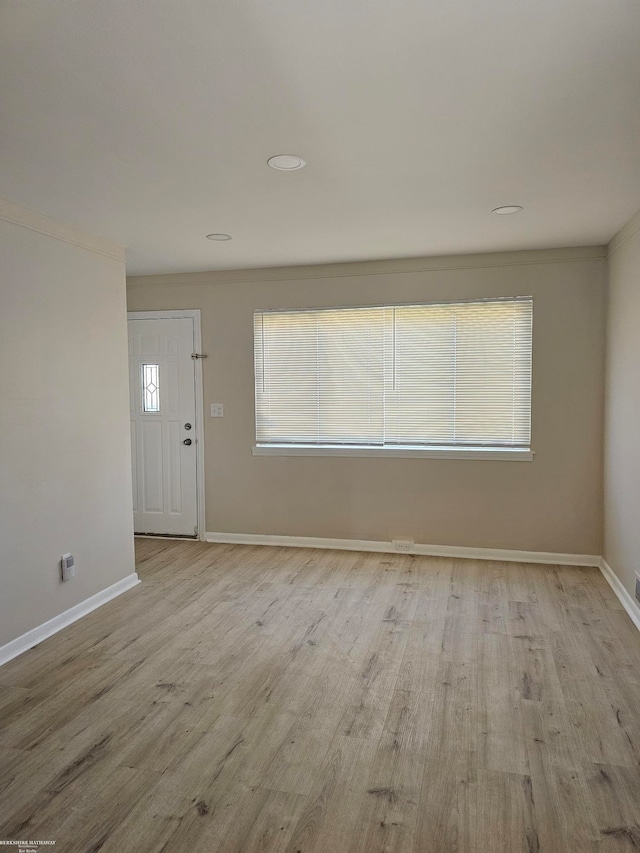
{"x": 403, "y": 544}
{"x": 217, "y": 410}
{"x": 68, "y": 565}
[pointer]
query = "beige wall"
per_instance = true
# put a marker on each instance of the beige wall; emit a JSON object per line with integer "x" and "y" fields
{"x": 65, "y": 482}
{"x": 622, "y": 445}
{"x": 551, "y": 504}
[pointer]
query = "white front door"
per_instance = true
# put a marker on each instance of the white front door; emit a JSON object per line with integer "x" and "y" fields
{"x": 163, "y": 426}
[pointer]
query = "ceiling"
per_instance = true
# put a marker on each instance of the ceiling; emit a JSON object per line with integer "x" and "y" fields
{"x": 150, "y": 123}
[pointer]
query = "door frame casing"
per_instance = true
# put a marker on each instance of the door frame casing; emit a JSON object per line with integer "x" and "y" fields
{"x": 193, "y": 314}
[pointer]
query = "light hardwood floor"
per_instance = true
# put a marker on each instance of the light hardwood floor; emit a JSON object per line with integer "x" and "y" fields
{"x": 269, "y": 699}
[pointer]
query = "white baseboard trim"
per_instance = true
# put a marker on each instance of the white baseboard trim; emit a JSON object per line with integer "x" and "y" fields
{"x": 388, "y": 548}
{"x": 166, "y": 538}
{"x": 52, "y": 626}
{"x": 622, "y": 594}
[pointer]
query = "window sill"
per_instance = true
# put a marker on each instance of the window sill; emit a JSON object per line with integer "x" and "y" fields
{"x": 401, "y": 452}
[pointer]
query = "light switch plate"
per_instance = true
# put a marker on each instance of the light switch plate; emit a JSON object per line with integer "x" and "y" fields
{"x": 217, "y": 410}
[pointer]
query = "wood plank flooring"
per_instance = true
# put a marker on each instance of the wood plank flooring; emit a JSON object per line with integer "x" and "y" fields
{"x": 246, "y": 699}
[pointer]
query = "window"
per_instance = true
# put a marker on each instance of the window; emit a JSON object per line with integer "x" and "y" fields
{"x": 450, "y": 376}
{"x": 150, "y": 388}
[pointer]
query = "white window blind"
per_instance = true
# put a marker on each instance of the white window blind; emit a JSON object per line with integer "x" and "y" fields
{"x": 446, "y": 375}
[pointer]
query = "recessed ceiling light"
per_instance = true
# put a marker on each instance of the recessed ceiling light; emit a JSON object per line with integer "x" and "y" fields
{"x": 221, "y": 238}
{"x": 507, "y": 209}
{"x": 286, "y": 162}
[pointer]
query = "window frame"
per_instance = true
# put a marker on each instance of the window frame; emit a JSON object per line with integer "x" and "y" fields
{"x": 487, "y": 452}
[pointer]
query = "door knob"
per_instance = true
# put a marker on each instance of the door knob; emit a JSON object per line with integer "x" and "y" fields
{"x": 187, "y": 441}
